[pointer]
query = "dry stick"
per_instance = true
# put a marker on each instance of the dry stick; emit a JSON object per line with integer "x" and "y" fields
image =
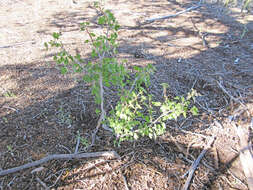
{"x": 77, "y": 144}
{"x": 173, "y": 15}
{"x": 58, "y": 178}
{"x": 226, "y": 92}
{"x": 111, "y": 154}
{"x": 42, "y": 183}
{"x": 17, "y": 44}
{"x": 196, "y": 163}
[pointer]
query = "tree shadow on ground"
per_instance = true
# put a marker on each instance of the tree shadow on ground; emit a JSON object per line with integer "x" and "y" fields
{"x": 60, "y": 110}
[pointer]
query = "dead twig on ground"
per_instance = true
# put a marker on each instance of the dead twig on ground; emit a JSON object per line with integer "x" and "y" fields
{"x": 196, "y": 163}
{"x": 227, "y": 93}
{"x": 57, "y": 179}
{"x": 111, "y": 154}
{"x": 124, "y": 180}
{"x": 173, "y": 15}
{"x": 200, "y": 33}
{"x": 8, "y": 107}
{"x": 18, "y": 44}
{"x": 42, "y": 183}
{"x": 237, "y": 179}
{"x": 77, "y": 144}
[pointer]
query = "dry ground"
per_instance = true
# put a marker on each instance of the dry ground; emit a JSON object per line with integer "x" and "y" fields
{"x": 42, "y": 112}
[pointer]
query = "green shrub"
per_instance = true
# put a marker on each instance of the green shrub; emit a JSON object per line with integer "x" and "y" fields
{"x": 136, "y": 114}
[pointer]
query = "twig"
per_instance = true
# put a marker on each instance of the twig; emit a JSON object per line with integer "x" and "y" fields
{"x": 7, "y": 107}
{"x": 125, "y": 182}
{"x": 226, "y": 92}
{"x": 57, "y": 179}
{"x": 77, "y": 144}
{"x": 196, "y": 163}
{"x": 11, "y": 182}
{"x": 18, "y": 44}
{"x": 201, "y": 34}
{"x": 173, "y": 15}
{"x": 216, "y": 158}
{"x": 42, "y": 183}
{"x": 237, "y": 179}
{"x": 111, "y": 154}
{"x": 188, "y": 132}
{"x": 64, "y": 147}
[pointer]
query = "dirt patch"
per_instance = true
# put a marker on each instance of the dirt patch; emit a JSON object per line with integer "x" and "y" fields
{"x": 42, "y": 112}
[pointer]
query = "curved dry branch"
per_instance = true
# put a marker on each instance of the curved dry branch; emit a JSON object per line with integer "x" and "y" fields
{"x": 111, "y": 154}
{"x": 196, "y": 163}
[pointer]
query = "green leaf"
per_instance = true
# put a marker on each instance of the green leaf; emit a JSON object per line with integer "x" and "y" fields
{"x": 97, "y": 111}
{"x": 66, "y": 61}
{"x": 101, "y": 20}
{"x": 94, "y": 54}
{"x": 116, "y": 27}
{"x": 194, "y": 110}
{"x": 56, "y": 35}
{"x": 46, "y": 45}
{"x": 92, "y": 34}
{"x": 184, "y": 114}
{"x": 78, "y": 57}
{"x": 77, "y": 68}
{"x": 86, "y": 41}
{"x": 136, "y": 68}
{"x": 71, "y": 57}
{"x": 157, "y": 104}
{"x": 87, "y": 78}
{"x": 64, "y": 70}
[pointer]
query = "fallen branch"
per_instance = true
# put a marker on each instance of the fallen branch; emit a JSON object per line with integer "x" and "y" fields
{"x": 196, "y": 163}
{"x": 173, "y": 15}
{"x": 226, "y": 92}
{"x": 42, "y": 183}
{"x": 111, "y": 154}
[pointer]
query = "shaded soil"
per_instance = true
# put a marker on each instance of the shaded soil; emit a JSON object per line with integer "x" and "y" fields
{"x": 42, "y": 112}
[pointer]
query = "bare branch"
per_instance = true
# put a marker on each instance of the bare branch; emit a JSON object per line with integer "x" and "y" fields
{"x": 196, "y": 163}
{"x": 111, "y": 154}
{"x": 173, "y": 15}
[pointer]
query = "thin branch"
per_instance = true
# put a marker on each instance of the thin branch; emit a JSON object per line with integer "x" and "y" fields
{"x": 77, "y": 144}
{"x": 18, "y": 44}
{"x": 226, "y": 92}
{"x": 57, "y": 179}
{"x": 196, "y": 163}
{"x": 173, "y": 15}
{"x": 42, "y": 183}
{"x": 111, "y": 154}
{"x": 125, "y": 181}
{"x": 7, "y": 107}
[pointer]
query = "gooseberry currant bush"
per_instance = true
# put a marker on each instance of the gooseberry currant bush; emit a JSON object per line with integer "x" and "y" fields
{"x": 135, "y": 114}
